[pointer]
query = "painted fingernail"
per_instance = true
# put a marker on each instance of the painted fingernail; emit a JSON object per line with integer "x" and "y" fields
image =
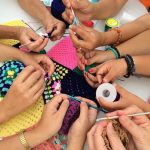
{"x": 91, "y": 70}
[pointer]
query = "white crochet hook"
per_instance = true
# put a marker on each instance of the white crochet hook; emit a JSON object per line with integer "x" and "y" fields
{"x": 116, "y": 117}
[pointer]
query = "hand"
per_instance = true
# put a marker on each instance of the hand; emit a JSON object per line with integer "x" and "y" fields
{"x": 98, "y": 56}
{"x": 53, "y": 116}
{"x": 137, "y": 126}
{"x": 79, "y": 129}
{"x": 87, "y": 38}
{"x": 96, "y": 141}
{"x": 26, "y": 35}
{"x": 58, "y": 26}
{"x": 39, "y": 61}
{"x": 84, "y": 10}
{"x": 110, "y": 70}
{"x": 126, "y": 99}
{"x": 25, "y": 91}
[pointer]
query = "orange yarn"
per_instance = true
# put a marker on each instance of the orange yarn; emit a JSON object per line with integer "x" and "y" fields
{"x": 146, "y": 2}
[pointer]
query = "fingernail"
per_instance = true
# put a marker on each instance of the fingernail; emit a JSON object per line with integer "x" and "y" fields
{"x": 105, "y": 80}
{"x": 109, "y": 126}
{"x": 70, "y": 26}
{"x": 91, "y": 70}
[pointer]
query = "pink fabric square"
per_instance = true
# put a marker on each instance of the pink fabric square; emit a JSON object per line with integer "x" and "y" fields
{"x": 64, "y": 53}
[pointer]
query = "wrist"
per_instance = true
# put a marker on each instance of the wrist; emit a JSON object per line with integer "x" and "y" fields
{"x": 46, "y": 19}
{"x": 76, "y": 143}
{"x": 124, "y": 66}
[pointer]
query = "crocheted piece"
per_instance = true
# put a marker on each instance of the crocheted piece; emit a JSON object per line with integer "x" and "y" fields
{"x": 64, "y": 53}
{"x": 12, "y": 23}
{"x": 71, "y": 83}
{"x": 8, "y": 72}
{"x": 72, "y": 114}
{"x": 122, "y": 133}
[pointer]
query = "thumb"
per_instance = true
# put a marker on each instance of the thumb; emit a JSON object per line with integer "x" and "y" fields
{"x": 130, "y": 126}
{"x": 120, "y": 89}
{"x": 83, "y": 111}
{"x": 92, "y": 60}
{"x": 38, "y": 67}
{"x": 63, "y": 109}
{"x": 108, "y": 77}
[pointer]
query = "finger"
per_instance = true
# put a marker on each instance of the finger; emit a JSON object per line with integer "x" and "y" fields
{"x": 90, "y": 138}
{"x": 130, "y": 126}
{"x": 98, "y": 139}
{"x": 91, "y": 83}
{"x": 91, "y": 77}
{"x": 83, "y": 111}
{"x": 68, "y": 16}
{"x": 42, "y": 46}
{"x": 114, "y": 140}
{"x": 39, "y": 93}
{"x": 49, "y": 64}
{"x": 37, "y": 86}
{"x": 35, "y": 44}
{"x": 79, "y": 31}
{"x": 109, "y": 76}
{"x": 67, "y": 3}
{"x": 32, "y": 79}
{"x": 109, "y": 105}
{"x": 120, "y": 89}
{"x": 58, "y": 99}
{"x": 25, "y": 73}
{"x": 63, "y": 109}
{"x": 94, "y": 69}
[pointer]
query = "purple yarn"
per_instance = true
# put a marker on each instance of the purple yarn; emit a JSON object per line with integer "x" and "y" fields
{"x": 72, "y": 114}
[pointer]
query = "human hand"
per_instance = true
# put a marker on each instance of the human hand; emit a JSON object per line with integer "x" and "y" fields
{"x": 95, "y": 139}
{"x": 86, "y": 38}
{"x": 98, "y": 56}
{"x": 137, "y": 126}
{"x": 53, "y": 116}
{"x": 110, "y": 70}
{"x": 79, "y": 129}
{"x": 25, "y": 91}
{"x": 126, "y": 99}
{"x": 56, "y": 25}
{"x": 84, "y": 10}
{"x": 26, "y": 35}
{"x": 39, "y": 61}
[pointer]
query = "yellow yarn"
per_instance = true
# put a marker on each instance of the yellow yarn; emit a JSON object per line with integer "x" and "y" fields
{"x": 23, "y": 120}
{"x": 12, "y": 23}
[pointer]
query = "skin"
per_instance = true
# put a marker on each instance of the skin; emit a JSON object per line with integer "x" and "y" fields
{"x": 24, "y": 35}
{"x": 86, "y": 10}
{"x": 40, "y": 12}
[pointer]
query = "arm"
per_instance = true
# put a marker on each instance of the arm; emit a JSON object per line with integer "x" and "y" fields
{"x": 106, "y": 8}
{"x": 37, "y": 10}
{"x": 9, "y": 32}
{"x": 40, "y": 12}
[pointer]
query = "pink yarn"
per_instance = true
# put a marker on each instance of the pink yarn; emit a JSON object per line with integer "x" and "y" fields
{"x": 64, "y": 53}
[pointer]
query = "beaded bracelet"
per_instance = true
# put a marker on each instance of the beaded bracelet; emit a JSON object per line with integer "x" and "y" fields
{"x": 130, "y": 65}
{"x": 118, "y": 31}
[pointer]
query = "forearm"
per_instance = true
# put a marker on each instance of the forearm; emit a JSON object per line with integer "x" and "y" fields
{"x": 128, "y": 30}
{"x": 142, "y": 64}
{"x": 33, "y": 137}
{"x": 36, "y": 9}
{"x": 9, "y": 32}
{"x": 139, "y": 45}
{"x": 76, "y": 144}
{"x": 107, "y": 8}
{"x": 7, "y": 53}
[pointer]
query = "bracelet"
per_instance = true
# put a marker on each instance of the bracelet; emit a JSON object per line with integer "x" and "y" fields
{"x": 118, "y": 31}
{"x": 114, "y": 50}
{"x": 130, "y": 66}
{"x": 23, "y": 141}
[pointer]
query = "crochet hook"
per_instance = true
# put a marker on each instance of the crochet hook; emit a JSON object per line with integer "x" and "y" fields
{"x": 116, "y": 117}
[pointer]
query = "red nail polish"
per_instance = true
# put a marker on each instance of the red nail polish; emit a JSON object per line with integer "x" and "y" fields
{"x": 91, "y": 70}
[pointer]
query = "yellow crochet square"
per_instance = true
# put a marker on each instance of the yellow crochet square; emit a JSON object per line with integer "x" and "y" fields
{"x": 22, "y": 121}
{"x": 12, "y": 23}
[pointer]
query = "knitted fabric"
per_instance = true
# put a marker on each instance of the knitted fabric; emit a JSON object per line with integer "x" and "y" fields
{"x": 8, "y": 72}
{"x": 64, "y": 53}
{"x": 72, "y": 114}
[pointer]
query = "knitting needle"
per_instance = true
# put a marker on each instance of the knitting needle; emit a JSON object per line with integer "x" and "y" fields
{"x": 116, "y": 117}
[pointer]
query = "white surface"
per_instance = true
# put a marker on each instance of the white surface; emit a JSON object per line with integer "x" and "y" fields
{"x": 10, "y": 10}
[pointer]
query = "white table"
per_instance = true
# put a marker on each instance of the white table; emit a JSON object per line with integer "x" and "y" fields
{"x": 10, "y": 10}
